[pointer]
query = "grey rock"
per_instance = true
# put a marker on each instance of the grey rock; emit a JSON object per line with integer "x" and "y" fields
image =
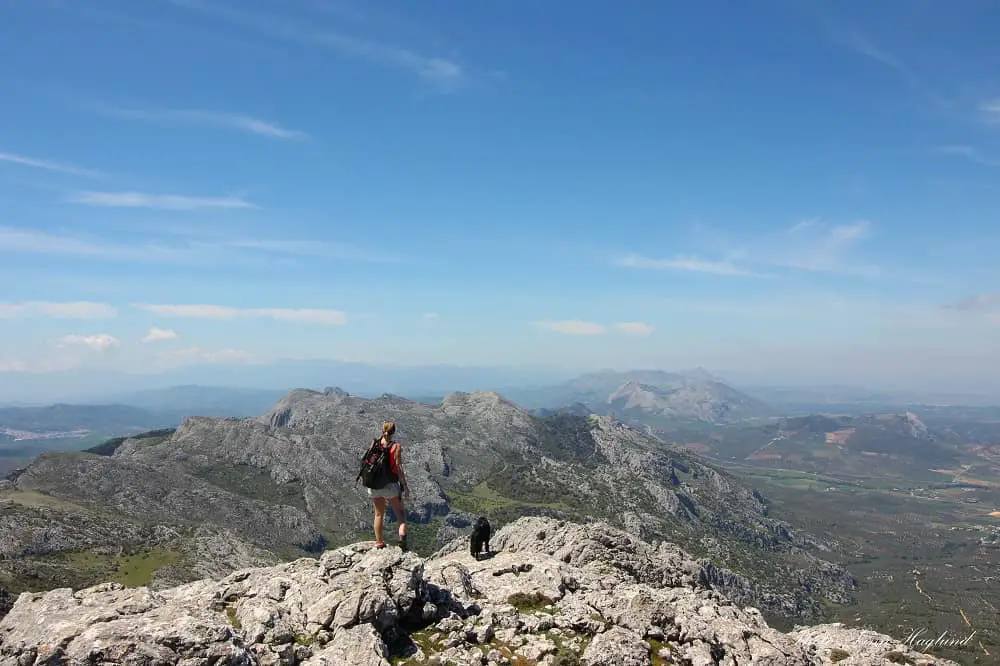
{"x": 616, "y": 647}
{"x": 361, "y": 645}
{"x": 555, "y": 588}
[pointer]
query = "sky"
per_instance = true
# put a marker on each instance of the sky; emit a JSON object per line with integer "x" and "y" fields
{"x": 783, "y": 191}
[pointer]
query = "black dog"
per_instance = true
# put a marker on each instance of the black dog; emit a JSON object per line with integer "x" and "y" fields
{"x": 479, "y": 540}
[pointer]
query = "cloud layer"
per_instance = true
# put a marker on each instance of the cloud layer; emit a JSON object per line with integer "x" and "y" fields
{"x": 180, "y": 249}
{"x": 577, "y": 327}
{"x": 301, "y": 315}
{"x": 89, "y": 310}
{"x": 990, "y": 111}
{"x": 159, "y": 335}
{"x": 634, "y": 328}
{"x": 98, "y": 342}
{"x": 71, "y": 310}
{"x": 47, "y": 165}
{"x": 225, "y": 120}
{"x": 690, "y": 264}
{"x": 809, "y": 246}
{"x": 435, "y": 69}
{"x": 161, "y": 201}
{"x": 978, "y": 303}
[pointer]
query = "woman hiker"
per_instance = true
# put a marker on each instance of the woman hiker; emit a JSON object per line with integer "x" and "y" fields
{"x": 393, "y": 491}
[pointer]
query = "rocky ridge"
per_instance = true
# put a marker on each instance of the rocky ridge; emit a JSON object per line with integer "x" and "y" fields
{"x": 553, "y": 593}
{"x": 237, "y": 491}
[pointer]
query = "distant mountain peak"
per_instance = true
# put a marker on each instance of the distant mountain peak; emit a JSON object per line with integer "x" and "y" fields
{"x": 700, "y": 373}
{"x": 693, "y": 395}
{"x": 475, "y": 396}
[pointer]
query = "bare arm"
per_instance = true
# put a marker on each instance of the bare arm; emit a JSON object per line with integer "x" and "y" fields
{"x": 399, "y": 465}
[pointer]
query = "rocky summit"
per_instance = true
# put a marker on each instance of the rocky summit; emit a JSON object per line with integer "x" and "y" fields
{"x": 551, "y": 592}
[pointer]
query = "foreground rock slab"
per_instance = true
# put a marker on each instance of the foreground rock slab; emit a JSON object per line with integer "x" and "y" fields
{"x": 555, "y": 593}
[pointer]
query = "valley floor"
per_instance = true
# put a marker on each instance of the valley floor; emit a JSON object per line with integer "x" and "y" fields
{"x": 927, "y": 560}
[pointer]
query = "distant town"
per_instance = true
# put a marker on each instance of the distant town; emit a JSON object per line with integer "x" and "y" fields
{"x": 23, "y": 435}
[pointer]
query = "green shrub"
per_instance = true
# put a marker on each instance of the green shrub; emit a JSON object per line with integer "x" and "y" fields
{"x": 528, "y": 603}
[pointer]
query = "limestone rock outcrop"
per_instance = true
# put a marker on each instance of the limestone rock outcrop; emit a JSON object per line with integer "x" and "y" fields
{"x": 553, "y": 592}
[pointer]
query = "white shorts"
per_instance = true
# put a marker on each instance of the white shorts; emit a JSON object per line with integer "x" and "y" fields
{"x": 392, "y": 489}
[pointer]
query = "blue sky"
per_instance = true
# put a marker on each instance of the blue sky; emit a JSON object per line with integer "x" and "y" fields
{"x": 776, "y": 189}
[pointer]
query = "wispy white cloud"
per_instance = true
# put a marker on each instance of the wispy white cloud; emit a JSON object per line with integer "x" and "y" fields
{"x": 971, "y": 153}
{"x": 68, "y": 310}
{"x": 791, "y": 308}
{"x": 809, "y": 245}
{"x": 821, "y": 248}
{"x": 438, "y": 70}
{"x": 98, "y": 342}
{"x": 688, "y": 264}
{"x": 29, "y": 241}
{"x": 634, "y": 328}
{"x": 577, "y": 327}
{"x": 980, "y": 302}
{"x": 312, "y": 248}
{"x": 233, "y": 121}
{"x": 429, "y": 316}
{"x": 160, "y": 201}
{"x": 181, "y": 249}
{"x": 864, "y": 46}
{"x": 573, "y": 327}
{"x": 803, "y": 225}
{"x": 301, "y": 315}
{"x": 48, "y": 165}
{"x": 159, "y": 335}
{"x": 849, "y": 37}
{"x": 990, "y": 111}
{"x": 813, "y": 246}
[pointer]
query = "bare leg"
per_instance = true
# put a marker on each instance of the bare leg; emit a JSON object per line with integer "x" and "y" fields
{"x": 379, "y": 504}
{"x": 397, "y": 508}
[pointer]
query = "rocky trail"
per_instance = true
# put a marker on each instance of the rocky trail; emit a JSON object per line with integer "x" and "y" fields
{"x": 554, "y": 593}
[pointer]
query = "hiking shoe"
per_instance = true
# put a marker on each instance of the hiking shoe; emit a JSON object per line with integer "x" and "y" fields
{"x": 380, "y": 546}
{"x": 402, "y": 543}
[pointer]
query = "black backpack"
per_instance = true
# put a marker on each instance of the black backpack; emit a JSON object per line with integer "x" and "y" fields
{"x": 375, "y": 469}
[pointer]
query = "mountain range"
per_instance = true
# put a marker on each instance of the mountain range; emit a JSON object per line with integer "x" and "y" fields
{"x": 641, "y": 397}
{"x": 217, "y": 493}
{"x": 100, "y": 385}
{"x": 693, "y": 408}
{"x": 95, "y": 385}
